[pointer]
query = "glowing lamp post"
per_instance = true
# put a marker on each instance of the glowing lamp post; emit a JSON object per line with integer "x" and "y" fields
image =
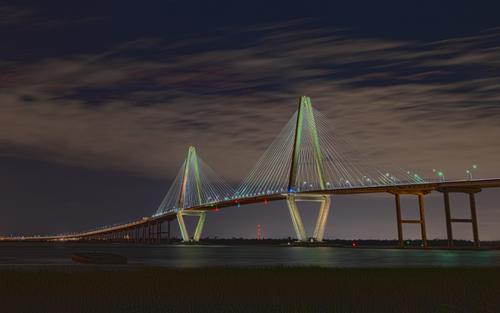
{"x": 440, "y": 174}
{"x": 469, "y": 171}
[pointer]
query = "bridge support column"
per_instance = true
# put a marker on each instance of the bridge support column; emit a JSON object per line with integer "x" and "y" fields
{"x": 199, "y": 226}
{"x": 421, "y": 220}
{"x": 298, "y": 225}
{"x": 158, "y": 232}
{"x": 324, "y": 210}
{"x": 149, "y": 233}
{"x": 473, "y": 214}
{"x": 168, "y": 231}
{"x": 447, "y": 211}
{"x": 423, "y": 230}
{"x": 399, "y": 220}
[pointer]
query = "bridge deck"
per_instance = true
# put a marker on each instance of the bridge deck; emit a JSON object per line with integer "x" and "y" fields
{"x": 452, "y": 186}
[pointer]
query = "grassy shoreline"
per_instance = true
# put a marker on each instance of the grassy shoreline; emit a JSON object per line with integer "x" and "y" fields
{"x": 277, "y": 289}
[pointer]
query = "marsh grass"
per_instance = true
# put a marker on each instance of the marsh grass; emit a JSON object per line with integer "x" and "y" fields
{"x": 251, "y": 290}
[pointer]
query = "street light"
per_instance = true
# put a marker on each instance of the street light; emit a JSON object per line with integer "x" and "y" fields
{"x": 441, "y": 174}
{"x": 469, "y": 171}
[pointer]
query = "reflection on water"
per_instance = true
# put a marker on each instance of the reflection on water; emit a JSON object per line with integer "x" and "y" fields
{"x": 201, "y": 256}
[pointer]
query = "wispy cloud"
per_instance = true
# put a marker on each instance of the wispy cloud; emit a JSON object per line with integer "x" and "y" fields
{"x": 137, "y": 106}
{"x": 10, "y": 15}
{"x": 28, "y": 16}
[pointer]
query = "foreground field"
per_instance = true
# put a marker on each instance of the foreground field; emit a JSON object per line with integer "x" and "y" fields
{"x": 250, "y": 290}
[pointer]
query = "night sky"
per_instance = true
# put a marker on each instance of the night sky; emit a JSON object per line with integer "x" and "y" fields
{"x": 99, "y": 103}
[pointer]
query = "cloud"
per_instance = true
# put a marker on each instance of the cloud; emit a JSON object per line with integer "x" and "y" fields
{"x": 30, "y": 17}
{"x": 11, "y": 15}
{"x": 138, "y": 106}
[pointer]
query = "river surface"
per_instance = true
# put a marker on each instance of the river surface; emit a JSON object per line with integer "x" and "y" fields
{"x": 181, "y": 256}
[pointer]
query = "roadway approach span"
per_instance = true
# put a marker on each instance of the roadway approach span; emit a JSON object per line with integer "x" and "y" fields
{"x": 470, "y": 187}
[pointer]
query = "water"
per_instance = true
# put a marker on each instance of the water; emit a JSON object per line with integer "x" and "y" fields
{"x": 181, "y": 256}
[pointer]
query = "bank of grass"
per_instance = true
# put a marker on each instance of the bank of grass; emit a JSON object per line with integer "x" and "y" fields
{"x": 251, "y": 290}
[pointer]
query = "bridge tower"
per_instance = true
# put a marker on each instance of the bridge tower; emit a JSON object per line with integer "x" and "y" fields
{"x": 190, "y": 172}
{"x": 309, "y": 135}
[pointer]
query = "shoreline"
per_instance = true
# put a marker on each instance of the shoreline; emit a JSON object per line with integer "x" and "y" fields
{"x": 435, "y": 244}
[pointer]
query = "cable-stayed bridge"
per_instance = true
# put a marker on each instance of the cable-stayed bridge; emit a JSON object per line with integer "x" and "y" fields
{"x": 306, "y": 162}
